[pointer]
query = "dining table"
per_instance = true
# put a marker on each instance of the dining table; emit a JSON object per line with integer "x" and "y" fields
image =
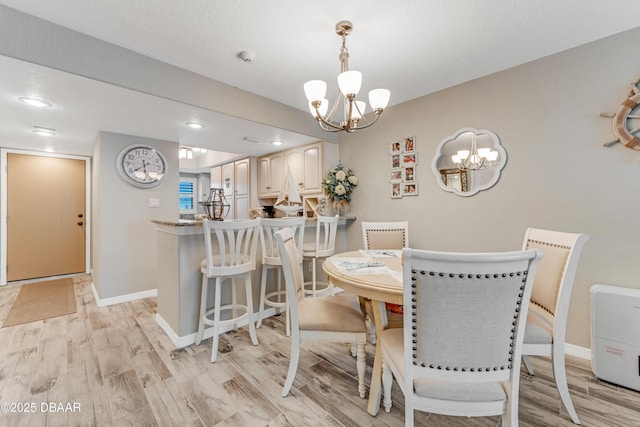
{"x": 376, "y": 275}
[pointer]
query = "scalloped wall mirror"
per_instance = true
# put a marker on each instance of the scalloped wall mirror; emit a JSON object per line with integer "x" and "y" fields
{"x": 469, "y": 161}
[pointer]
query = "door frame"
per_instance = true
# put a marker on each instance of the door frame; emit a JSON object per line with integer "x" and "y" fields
{"x": 3, "y": 205}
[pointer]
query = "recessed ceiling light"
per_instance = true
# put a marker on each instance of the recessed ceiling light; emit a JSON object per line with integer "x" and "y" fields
{"x": 277, "y": 142}
{"x": 34, "y": 102}
{"x": 195, "y": 125}
{"x": 44, "y": 131}
{"x": 49, "y": 149}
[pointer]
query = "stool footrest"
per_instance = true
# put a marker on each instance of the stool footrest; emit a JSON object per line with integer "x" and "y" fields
{"x": 207, "y": 321}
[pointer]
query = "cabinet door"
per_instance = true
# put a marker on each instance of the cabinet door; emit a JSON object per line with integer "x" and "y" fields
{"x": 228, "y": 187}
{"x": 241, "y": 196}
{"x": 216, "y": 177}
{"x": 312, "y": 168}
{"x": 276, "y": 166}
{"x": 264, "y": 177}
{"x": 293, "y": 161}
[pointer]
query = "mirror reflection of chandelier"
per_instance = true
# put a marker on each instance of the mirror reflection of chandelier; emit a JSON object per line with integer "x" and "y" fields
{"x": 349, "y": 83}
{"x": 475, "y": 158}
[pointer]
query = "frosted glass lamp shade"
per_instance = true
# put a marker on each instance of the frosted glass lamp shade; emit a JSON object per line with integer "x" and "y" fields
{"x": 379, "y": 98}
{"x": 361, "y": 106}
{"x": 315, "y": 90}
{"x": 349, "y": 82}
{"x": 492, "y": 156}
{"x": 483, "y": 152}
{"x": 324, "y": 105}
{"x": 463, "y": 154}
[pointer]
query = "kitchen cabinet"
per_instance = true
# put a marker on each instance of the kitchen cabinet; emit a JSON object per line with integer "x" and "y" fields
{"x": 307, "y": 164}
{"x": 216, "y": 177}
{"x": 204, "y": 185}
{"x": 242, "y": 189}
{"x": 270, "y": 175}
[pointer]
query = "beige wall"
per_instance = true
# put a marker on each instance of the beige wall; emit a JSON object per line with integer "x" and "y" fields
{"x": 558, "y": 175}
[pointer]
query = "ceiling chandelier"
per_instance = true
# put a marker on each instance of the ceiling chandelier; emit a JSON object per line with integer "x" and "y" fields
{"x": 349, "y": 83}
{"x": 474, "y": 158}
{"x": 185, "y": 152}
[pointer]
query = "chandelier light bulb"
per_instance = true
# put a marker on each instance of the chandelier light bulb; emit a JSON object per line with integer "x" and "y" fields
{"x": 315, "y": 90}
{"x": 379, "y": 98}
{"x": 492, "y": 156}
{"x": 356, "y": 114}
{"x": 484, "y": 152}
{"x": 350, "y": 82}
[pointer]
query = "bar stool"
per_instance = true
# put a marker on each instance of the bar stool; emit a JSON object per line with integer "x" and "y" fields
{"x": 230, "y": 255}
{"x": 271, "y": 261}
{"x": 324, "y": 246}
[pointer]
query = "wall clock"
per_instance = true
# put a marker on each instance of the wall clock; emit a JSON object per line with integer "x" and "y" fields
{"x": 141, "y": 165}
{"x": 626, "y": 123}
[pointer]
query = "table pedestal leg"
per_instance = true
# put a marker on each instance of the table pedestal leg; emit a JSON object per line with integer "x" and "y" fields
{"x": 375, "y": 391}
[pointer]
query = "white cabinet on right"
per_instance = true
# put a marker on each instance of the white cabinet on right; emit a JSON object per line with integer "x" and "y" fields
{"x": 307, "y": 167}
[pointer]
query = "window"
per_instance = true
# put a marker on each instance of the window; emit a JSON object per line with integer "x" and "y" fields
{"x": 187, "y": 195}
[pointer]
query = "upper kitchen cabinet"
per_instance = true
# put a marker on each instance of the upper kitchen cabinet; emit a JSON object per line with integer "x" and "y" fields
{"x": 270, "y": 175}
{"x": 308, "y": 165}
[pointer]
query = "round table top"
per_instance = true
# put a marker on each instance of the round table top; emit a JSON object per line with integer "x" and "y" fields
{"x": 379, "y": 287}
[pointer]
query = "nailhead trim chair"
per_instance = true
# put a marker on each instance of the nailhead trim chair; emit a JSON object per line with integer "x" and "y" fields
{"x": 547, "y": 321}
{"x": 460, "y": 349}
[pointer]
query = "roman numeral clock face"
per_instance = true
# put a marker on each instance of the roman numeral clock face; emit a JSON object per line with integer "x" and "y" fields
{"x": 141, "y": 165}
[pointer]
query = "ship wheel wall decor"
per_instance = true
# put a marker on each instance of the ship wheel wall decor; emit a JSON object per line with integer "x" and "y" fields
{"x": 626, "y": 121}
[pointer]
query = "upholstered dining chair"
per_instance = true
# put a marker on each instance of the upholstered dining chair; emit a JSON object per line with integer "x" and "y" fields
{"x": 334, "y": 318}
{"x": 547, "y": 321}
{"x": 271, "y": 261}
{"x": 461, "y": 354}
{"x": 322, "y": 246}
{"x": 230, "y": 254}
{"x": 384, "y": 235}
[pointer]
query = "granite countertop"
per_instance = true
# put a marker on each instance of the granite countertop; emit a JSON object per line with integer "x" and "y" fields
{"x": 195, "y": 223}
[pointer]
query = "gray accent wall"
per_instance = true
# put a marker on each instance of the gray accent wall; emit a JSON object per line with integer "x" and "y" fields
{"x": 558, "y": 175}
{"x": 124, "y": 238}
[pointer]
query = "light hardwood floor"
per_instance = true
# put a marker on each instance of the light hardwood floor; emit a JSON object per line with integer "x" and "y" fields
{"x": 121, "y": 369}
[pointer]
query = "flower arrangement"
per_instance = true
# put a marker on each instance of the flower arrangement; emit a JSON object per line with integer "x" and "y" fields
{"x": 339, "y": 185}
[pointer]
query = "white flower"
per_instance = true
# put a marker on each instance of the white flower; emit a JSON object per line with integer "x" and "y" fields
{"x": 328, "y": 181}
{"x": 340, "y": 175}
{"x": 353, "y": 180}
{"x": 340, "y": 190}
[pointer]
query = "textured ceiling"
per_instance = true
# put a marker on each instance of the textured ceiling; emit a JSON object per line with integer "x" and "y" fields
{"x": 412, "y": 47}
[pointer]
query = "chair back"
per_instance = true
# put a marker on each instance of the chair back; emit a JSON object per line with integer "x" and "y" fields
{"x": 270, "y": 252}
{"x": 467, "y": 314}
{"x": 554, "y": 278}
{"x": 385, "y": 235}
{"x": 325, "y": 242}
{"x": 293, "y": 275}
{"x": 230, "y": 246}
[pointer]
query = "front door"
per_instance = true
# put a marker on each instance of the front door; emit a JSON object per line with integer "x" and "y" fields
{"x": 46, "y": 218}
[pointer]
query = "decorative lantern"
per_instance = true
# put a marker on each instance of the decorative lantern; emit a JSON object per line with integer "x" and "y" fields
{"x": 216, "y": 205}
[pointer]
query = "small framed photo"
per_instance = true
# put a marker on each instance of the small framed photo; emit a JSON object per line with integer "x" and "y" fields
{"x": 409, "y": 144}
{"x": 409, "y": 159}
{"x": 410, "y": 189}
{"x": 409, "y": 173}
{"x": 395, "y": 175}
{"x": 395, "y": 147}
{"x": 395, "y": 161}
{"x": 396, "y": 190}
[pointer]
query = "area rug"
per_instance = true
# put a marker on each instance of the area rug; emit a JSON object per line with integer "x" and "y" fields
{"x": 42, "y": 300}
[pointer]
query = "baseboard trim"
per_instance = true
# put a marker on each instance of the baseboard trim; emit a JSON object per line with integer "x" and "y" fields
{"x": 105, "y": 302}
{"x": 187, "y": 340}
{"x": 577, "y": 351}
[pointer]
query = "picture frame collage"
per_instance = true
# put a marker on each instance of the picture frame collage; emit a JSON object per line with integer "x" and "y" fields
{"x": 404, "y": 161}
